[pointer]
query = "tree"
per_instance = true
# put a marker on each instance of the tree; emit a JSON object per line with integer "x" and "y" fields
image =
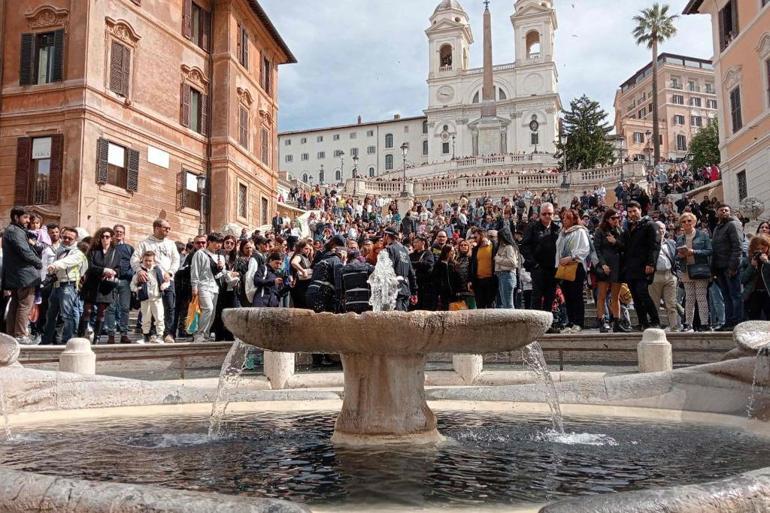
{"x": 704, "y": 146}
{"x": 586, "y": 128}
{"x": 653, "y": 27}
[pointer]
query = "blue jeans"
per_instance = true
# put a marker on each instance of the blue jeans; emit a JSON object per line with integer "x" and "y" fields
{"x": 716, "y": 306}
{"x": 731, "y": 293}
{"x": 63, "y": 302}
{"x": 117, "y": 313}
{"x": 169, "y": 303}
{"x": 506, "y": 283}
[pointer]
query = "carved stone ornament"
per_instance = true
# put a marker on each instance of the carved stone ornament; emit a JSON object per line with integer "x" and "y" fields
{"x": 764, "y": 45}
{"x": 732, "y": 78}
{"x": 122, "y": 31}
{"x": 195, "y": 76}
{"x": 245, "y": 96}
{"x": 47, "y": 16}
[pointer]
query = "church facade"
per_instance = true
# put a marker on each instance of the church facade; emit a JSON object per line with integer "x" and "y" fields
{"x": 510, "y": 108}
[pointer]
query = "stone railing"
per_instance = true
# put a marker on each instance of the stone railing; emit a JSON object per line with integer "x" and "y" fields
{"x": 509, "y": 162}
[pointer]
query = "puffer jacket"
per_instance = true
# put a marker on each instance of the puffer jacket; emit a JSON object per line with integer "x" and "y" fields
{"x": 21, "y": 264}
{"x": 727, "y": 244}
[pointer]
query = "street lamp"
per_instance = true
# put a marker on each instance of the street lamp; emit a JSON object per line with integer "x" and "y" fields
{"x": 355, "y": 174}
{"x": 563, "y": 141}
{"x": 404, "y": 151}
{"x": 201, "y": 182}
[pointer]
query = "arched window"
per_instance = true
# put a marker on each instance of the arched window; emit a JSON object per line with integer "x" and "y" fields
{"x": 388, "y": 162}
{"x": 533, "y": 44}
{"x": 371, "y": 171}
{"x": 445, "y": 57}
{"x": 388, "y": 140}
{"x": 338, "y": 175}
{"x": 304, "y": 177}
{"x": 501, "y": 94}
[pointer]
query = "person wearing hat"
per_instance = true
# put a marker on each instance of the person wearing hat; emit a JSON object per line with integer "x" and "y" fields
{"x": 422, "y": 262}
{"x": 402, "y": 266}
{"x": 322, "y": 292}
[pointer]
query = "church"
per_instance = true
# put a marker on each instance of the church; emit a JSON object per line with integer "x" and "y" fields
{"x": 492, "y": 110}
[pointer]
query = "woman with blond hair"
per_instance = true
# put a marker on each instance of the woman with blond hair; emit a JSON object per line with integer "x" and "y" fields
{"x": 693, "y": 249}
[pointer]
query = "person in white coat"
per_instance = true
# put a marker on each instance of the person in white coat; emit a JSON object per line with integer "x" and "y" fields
{"x": 572, "y": 247}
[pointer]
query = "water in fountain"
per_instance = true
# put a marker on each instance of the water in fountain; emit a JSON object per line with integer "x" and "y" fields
{"x": 5, "y": 434}
{"x": 384, "y": 284}
{"x": 761, "y": 380}
{"x": 229, "y": 378}
{"x": 533, "y": 357}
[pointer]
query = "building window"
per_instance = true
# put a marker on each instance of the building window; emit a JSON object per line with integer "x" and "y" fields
{"x": 338, "y": 176}
{"x": 336, "y": 137}
{"x": 305, "y": 156}
{"x": 696, "y": 121}
{"x": 371, "y": 150}
{"x": 39, "y": 170}
{"x": 194, "y": 107}
{"x": 388, "y": 140}
{"x": 243, "y": 127}
{"x": 354, "y": 152}
{"x": 533, "y": 44}
{"x": 265, "y": 78}
{"x": 289, "y": 158}
{"x": 534, "y": 138}
{"x": 243, "y": 47}
{"x": 638, "y": 138}
{"x": 321, "y": 175}
{"x": 735, "y": 109}
{"x": 338, "y": 153}
{"x": 678, "y": 119}
{"x": 120, "y": 69}
{"x": 695, "y": 102}
{"x": 445, "y": 148}
{"x": 264, "y": 211}
{"x": 675, "y": 83}
{"x": 302, "y": 141}
{"x": 196, "y": 24}
{"x": 406, "y": 129}
{"x": 287, "y": 142}
{"x": 388, "y": 162}
{"x": 117, "y": 165}
{"x": 321, "y": 155}
{"x": 353, "y": 135}
{"x": 710, "y": 88}
{"x": 370, "y": 133}
{"x": 728, "y": 24}
{"x": 42, "y": 58}
{"x": 265, "y": 146}
{"x": 681, "y": 143}
{"x": 304, "y": 177}
{"x": 445, "y": 57}
{"x": 743, "y": 189}
{"x": 243, "y": 201}
{"x": 677, "y": 99}
{"x": 712, "y": 104}
{"x": 425, "y": 147}
{"x": 767, "y": 80}
{"x": 320, "y": 138}
{"x": 425, "y": 127}
{"x": 189, "y": 196}
{"x": 641, "y": 113}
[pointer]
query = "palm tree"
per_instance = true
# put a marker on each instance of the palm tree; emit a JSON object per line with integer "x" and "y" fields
{"x": 653, "y": 27}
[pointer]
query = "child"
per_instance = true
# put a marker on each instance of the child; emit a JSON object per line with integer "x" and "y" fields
{"x": 150, "y": 294}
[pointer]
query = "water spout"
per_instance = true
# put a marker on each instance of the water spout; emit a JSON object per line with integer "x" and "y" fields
{"x": 760, "y": 383}
{"x": 533, "y": 357}
{"x": 229, "y": 379}
{"x": 384, "y": 284}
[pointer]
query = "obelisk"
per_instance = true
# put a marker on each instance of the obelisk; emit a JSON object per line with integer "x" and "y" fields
{"x": 489, "y": 126}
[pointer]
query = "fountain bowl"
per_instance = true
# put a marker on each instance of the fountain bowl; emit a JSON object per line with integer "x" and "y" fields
{"x": 383, "y": 358}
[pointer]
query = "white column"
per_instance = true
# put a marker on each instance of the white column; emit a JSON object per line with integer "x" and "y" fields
{"x": 279, "y": 368}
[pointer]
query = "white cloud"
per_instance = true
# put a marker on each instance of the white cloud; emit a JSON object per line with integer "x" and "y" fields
{"x": 370, "y": 57}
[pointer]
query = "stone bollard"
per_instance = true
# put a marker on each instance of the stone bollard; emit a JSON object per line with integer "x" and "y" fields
{"x": 468, "y": 366}
{"x": 654, "y": 352}
{"x": 279, "y": 368}
{"x": 78, "y": 357}
{"x": 9, "y": 351}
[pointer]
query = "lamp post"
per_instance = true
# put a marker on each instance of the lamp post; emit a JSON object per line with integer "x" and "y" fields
{"x": 355, "y": 174}
{"x": 563, "y": 141}
{"x": 201, "y": 182}
{"x": 404, "y": 151}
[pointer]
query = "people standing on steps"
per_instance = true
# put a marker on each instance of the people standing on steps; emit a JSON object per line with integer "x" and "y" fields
{"x": 117, "y": 314}
{"x": 206, "y": 273}
{"x": 665, "y": 283}
{"x": 727, "y": 251}
{"x": 608, "y": 244}
{"x": 507, "y": 261}
{"x": 694, "y": 255}
{"x": 573, "y": 247}
{"x": 150, "y": 295}
{"x": 538, "y": 246}
{"x": 402, "y": 266}
{"x": 99, "y": 289}
{"x": 641, "y": 247}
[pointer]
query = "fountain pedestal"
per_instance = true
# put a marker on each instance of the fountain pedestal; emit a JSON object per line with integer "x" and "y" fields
{"x": 383, "y": 358}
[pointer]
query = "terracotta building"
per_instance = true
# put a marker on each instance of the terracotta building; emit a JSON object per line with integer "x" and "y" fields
{"x": 111, "y": 110}
{"x": 741, "y": 36}
{"x": 687, "y": 100}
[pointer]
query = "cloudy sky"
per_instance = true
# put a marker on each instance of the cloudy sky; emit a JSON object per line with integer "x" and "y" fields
{"x": 370, "y": 57}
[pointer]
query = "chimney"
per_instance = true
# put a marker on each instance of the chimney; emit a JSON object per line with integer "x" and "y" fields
{"x": 396, "y": 116}
{"x": 359, "y": 120}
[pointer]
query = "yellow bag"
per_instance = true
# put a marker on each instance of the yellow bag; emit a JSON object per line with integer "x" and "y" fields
{"x": 193, "y": 316}
{"x": 456, "y": 306}
{"x": 567, "y": 272}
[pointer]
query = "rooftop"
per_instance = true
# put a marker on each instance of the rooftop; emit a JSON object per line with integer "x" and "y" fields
{"x": 264, "y": 18}
{"x": 669, "y": 58}
{"x": 352, "y": 125}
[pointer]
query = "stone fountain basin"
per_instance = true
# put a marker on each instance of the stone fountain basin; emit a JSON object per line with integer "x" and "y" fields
{"x": 380, "y": 333}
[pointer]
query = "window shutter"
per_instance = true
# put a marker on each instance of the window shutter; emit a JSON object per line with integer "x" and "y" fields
{"x": 126, "y": 70}
{"x": 204, "y": 114}
{"x": 239, "y": 44}
{"x": 133, "y": 171}
{"x": 23, "y": 165}
{"x": 205, "y": 29}
{"x": 184, "y": 109}
{"x": 27, "y": 53}
{"x": 246, "y": 49}
{"x": 57, "y": 163}
{"x": 734, "y": 9}
{"x": 244, "y": 128}
{"x": 116, "y": 68}
{"x": 102, "y": 150}
{"x": 181, "y": 197}
{"x": 187, "y": 19}
{"x": 57, "y": 73}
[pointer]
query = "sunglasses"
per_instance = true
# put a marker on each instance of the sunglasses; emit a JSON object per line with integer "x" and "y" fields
{"x": 106, "y": 236}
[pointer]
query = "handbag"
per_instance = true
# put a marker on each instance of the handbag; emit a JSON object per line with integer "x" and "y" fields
{"x": 699, "y": 271}
{"x": 567, "y": 272}
{"x": 456, "y": 306}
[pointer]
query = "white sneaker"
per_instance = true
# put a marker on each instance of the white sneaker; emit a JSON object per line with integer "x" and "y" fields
{"x": 141, "y": 341}
{"x": 27, "y": 341}
{"x": 158, "y": 340}
{"x": 198, "y": 338}
{"x": 576, "y": 329}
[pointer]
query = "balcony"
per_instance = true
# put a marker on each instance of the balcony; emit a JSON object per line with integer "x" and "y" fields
{"x": 675, "y": 85}
{"x": 446, "y": 68}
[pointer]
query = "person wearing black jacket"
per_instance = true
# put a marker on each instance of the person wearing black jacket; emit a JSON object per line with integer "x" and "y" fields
{"x": 353, "y": 284}
{"x": 99, "y": 289}
{"x": 641, "y": 247}
{"x": 270, "y": 287}
{"x": 21, "y": 274}
{"x": 422, "y": 260}
{"x": 117, "y": 313}
{"x": 538, "y": 246}
{"x": 608, "y": 243}
{"x": 402, "y": 266}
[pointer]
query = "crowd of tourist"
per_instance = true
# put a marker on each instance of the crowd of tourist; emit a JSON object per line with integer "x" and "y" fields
{"x": 647, "y": 250}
